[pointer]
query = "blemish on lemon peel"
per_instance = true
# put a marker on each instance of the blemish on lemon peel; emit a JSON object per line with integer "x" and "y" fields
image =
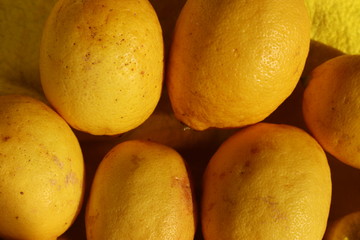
{"x": 184, "y": 185}
{"x": 98, "y": 52}
{"x": 159, "y": 196}
{"x": 71, "y": 178}
{"x": 58, "y": 162}
{"x": 33, "y": 160}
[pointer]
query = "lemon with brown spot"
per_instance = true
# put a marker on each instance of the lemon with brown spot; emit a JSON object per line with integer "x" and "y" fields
{"x": 101, "y": 63}
{"x": 268, "y": 181}
{"x": 42, "y": 171}
{"x": 141, "y": 190}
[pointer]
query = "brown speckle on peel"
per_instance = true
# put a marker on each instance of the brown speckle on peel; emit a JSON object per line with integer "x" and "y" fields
{"x": 245, "y": 168}
{"x": 71, "y": 178}
{"x": 211, "y": 206}
{"x": 136, "y": 162}
{"x": 6, "y": 138}
{"x": 53, "y": 182}
{"x": 92, "y": 219}
{"x": 87, "y": 56}
{"x": 57, "y": 161}
{"x": 254, "y": 150}
{"x": 228, "y": 200}
{"x": 22, "y": 193}
{"x": 16, "y": 217}
{"x": 275, "y": 208}
{"x": 222, "y": 175}
{"x": 184, "y": 185}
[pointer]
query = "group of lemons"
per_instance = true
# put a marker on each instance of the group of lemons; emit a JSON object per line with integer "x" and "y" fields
{"x": 137, "y": 119}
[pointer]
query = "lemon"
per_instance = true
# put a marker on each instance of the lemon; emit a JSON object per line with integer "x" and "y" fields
{"x": 268, "y": 181}
{"x": 335, "y": 23}
{"x": 331, "y": 107}
{"x": 234, "y": 62}
{"x": 101, "y": 63}
{"x": 42, "y": 171}
{"x": 141, "y": 190}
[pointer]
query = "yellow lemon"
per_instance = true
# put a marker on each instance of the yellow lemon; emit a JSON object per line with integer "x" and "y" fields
{"x": 141, "y": 190}
{"x": 345, "y": 228}
{"x": 41, "y": 173}
{"x": 101, "y": 63}
{"x": 268, "y": 181}
{"x": 234, "y": 62}
{"x": 331, "y": 107}
{"x": 335, "y": 23}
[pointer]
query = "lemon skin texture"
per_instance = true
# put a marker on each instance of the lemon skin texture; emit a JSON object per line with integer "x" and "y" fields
{"x": 268, "y": 181}
{"x": 42, "y": 170}
{"x": 141, "y": 190}
{"x": 101, "y": 63}
{"x": 234, "y": 62}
